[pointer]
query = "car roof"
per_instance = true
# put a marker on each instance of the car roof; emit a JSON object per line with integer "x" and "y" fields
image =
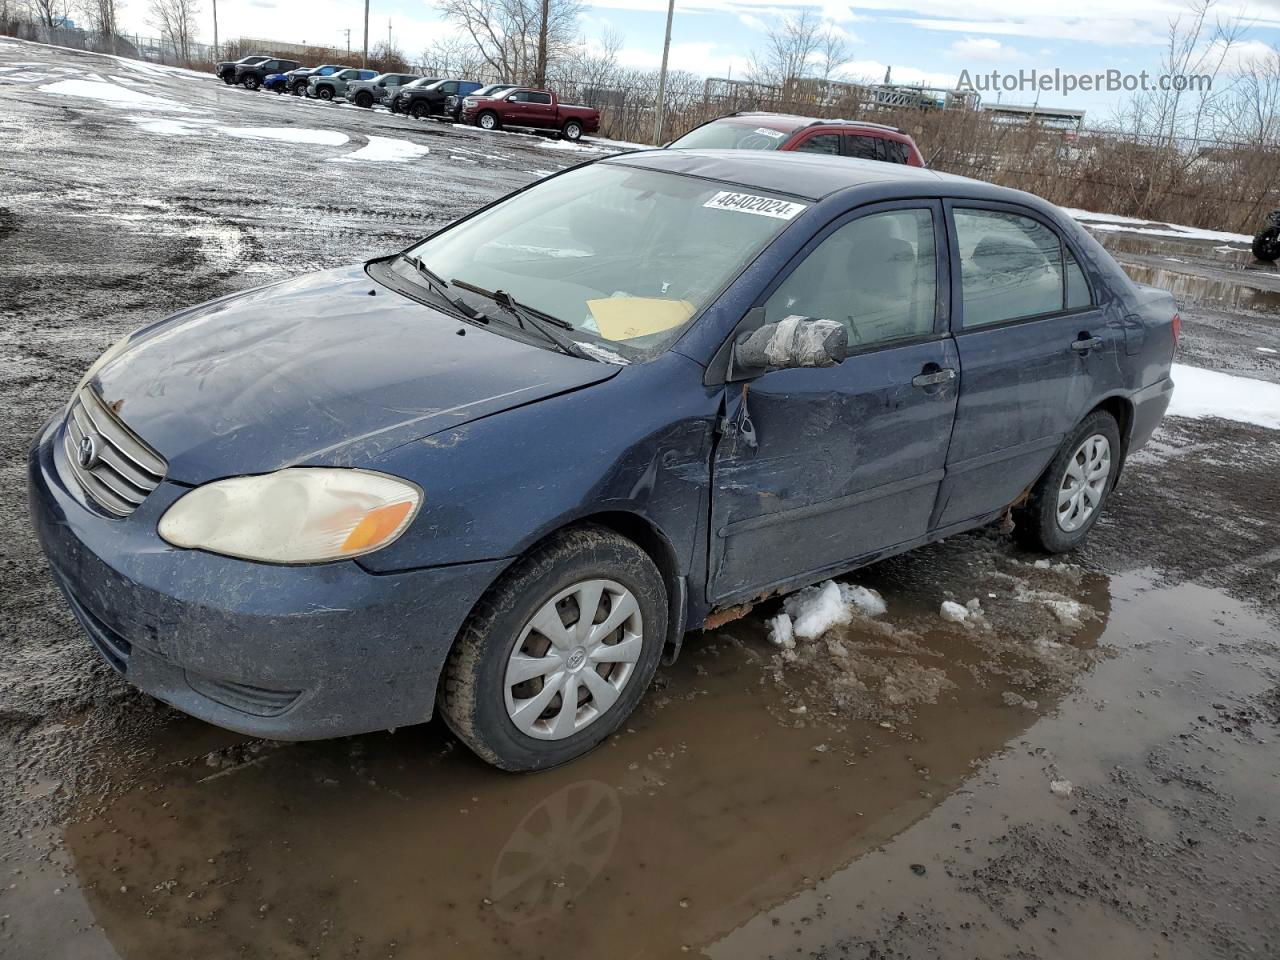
{"x": 791, "y": 122}
{"x": 813, "y": 176}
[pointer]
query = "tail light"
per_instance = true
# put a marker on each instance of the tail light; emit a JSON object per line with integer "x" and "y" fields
{"x": 1177, "y": 328}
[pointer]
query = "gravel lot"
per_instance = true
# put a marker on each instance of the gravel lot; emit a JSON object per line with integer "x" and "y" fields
{"x": 1033, "y": 785}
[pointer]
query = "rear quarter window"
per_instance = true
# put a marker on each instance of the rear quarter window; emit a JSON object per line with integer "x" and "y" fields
{"x": 1011, "y": 267}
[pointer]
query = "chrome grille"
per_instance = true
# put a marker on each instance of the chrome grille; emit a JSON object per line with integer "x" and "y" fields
{"x": 114, "y": 467}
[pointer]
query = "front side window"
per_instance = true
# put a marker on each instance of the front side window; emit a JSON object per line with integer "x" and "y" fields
{"x": 543, "y": 98}
{"x": 828, "y": 143}
{"x": 877, "y": 275}
{"x": 1010, "y": 267}
{"x": 625, "y": 255}
{"x": 733, "y": 135}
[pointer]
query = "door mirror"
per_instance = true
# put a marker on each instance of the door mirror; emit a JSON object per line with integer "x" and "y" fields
{"x": 791, "y": 342}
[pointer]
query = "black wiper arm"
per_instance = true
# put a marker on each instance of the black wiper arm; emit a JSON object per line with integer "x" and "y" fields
{"x": 537, "y": 319}
{"x": 441, "y": 287}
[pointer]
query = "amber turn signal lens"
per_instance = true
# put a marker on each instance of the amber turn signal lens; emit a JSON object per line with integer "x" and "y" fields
{"x": 376, "y": 526}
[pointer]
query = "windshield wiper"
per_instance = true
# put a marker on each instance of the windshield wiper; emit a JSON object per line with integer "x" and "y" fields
{"x": 440, "y": 287}
{"x": 527, "y": 316}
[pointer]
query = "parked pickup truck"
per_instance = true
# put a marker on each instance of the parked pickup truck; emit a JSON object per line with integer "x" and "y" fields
{"x": 226, "y": 69}
{"x": 297, "y": 79}
{"x": 429, "y": 98}
{"x": 335, "y": 85}
{"x": 525, "y": 107}
{"x": 365, "y": 93}
{"x": 252, "y": 75}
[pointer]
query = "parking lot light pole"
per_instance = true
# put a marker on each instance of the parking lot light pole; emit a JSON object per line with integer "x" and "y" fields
{"x": 365, "y": 61}
{"x": 215, "y": 30}
{"x": 662, "y": 77}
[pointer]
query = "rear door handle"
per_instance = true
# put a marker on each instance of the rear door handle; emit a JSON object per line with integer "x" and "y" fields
{"x": 932, "y": 378}
{"x": 1085, "y": 344}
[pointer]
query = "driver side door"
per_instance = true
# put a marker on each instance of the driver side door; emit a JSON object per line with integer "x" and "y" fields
{"x": 818, "y": 469}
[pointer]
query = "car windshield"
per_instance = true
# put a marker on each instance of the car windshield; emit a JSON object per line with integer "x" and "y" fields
{"x": 626, "y": 257}
{"x": 489, "y": 90}
{"x": 735, "y": 135}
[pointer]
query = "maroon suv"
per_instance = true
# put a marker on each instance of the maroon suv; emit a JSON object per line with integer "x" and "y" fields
{"x": 780, "y": 131}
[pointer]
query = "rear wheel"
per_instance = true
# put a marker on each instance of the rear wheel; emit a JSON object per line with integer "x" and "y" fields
{"x": 1266, "y": 245}
{"x": 573, "y": 130}
{"x": 558, "y": 653}
{"x": 1066, "y": 502}
{"x": 364, "y": 99}
{"x": 488, "y": 120}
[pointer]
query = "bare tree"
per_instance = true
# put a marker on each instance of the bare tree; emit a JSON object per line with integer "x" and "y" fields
{"x": 453, "y": 57}
{"x": 518, "y": 40}
{"x": 176, "y": 21}
{"x": 800, "y": 47}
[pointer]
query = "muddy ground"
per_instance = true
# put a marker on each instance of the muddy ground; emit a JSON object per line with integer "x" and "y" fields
{"x": 1086, "y": 768}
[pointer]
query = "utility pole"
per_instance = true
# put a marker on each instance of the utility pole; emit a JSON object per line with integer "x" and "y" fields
{"x": 388, "y": 35}
{"x": 347, "y": 31}
{"x": 216, "y": 54}
{"x": 662, "y": 77}
{"x": 365, "y": 61}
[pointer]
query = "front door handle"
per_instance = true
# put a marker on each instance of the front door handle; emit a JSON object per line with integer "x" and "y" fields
{"x": 931, "y": 378}
{"x": 1086, "y": 343}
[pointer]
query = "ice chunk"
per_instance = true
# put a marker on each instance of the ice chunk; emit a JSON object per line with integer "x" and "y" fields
{"x": 781, "y": 633}
{"x": 1060, "y": 788}
{"x": 953, "y": 612}
{"x": 863, "y": 599}
{"x": 815, "y": 610}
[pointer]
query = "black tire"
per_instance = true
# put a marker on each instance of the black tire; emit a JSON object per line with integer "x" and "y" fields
{"x": 572, "y": 130}
{"x": 228, "y": 79}
{"x": 489, "y": 121}
{"x": 1036, "y": 523}
{"x": 1266, "y": 245}
{"x": 420, "y": 111}
{"x": 364, "y": 99}
{"x": 324, "y": 93}
{"x": 472, "y": 697}
{"x": 251, "y": 83}
{"x": 299, "y": 89}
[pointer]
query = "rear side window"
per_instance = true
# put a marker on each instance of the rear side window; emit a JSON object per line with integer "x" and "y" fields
{"x": 1010, "y": 267}
{"x": 827, "y": 143}
{"x": 895, "y": 152}
{"x": 864, "y": 148}
{"x": 877, "y": 275}
{"x": 1078, "y": 294}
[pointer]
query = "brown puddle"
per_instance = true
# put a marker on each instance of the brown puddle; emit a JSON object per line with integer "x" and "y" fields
{"x": 722, "y": 805}
{"x": 1237, "y": 293}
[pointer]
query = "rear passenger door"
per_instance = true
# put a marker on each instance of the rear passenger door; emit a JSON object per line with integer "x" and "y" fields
{"x": 847, "y": 459}
{"x": 1036, "y": 354}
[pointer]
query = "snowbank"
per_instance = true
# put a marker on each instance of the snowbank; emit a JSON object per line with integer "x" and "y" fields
{"x": 1111, "y": 221}
{"x": 386, "y": 150}
{"x": 1199, "y": 393}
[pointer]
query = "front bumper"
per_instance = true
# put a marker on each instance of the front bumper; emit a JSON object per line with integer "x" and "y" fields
{"x": 287, "y": 652}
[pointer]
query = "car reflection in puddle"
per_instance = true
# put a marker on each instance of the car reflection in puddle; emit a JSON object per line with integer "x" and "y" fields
{"x": 718, "y": 801}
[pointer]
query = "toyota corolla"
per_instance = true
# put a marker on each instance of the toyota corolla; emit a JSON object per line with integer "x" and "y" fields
{"x": 500, "y": 474}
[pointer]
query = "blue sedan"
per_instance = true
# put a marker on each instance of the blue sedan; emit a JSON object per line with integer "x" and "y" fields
{"x": 501, "y": 474}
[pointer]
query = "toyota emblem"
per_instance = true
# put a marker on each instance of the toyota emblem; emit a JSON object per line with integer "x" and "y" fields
{"x": 88, "y": 453}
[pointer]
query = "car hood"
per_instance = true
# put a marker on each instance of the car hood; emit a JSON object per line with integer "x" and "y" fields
{"x": 327, "y": 368}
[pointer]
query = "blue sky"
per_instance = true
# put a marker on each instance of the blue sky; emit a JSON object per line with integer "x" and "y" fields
{"x": 924, "y": 41}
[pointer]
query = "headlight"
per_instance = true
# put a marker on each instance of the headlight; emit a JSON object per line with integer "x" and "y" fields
{"x": 469, "y": 102}
{"x": 295, "y": 515}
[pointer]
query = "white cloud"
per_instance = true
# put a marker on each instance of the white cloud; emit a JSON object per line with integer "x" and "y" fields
{"x": 984, "y": 49}
{"x": 703, "y": 57}
{"x": 752, "y": 22}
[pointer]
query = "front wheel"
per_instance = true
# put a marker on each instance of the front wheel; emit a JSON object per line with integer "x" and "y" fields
{"x": 487, "y": 120}
{"x": 325, "y": 93}
{"x": 300, "y": 89}
{"x": 228, "y": 79}
{"x": 251, "y": 83}
{"x": 573, "y": 131}
{"x": 1067, "y": 500}
{"x": 1266, "y": 245}
{"x": 364, "y": 99}
{"x": 420, "y": 111}
{"x": 558, "y": 653}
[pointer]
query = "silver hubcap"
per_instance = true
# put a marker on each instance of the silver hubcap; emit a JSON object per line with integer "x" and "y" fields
{"x": 573, "y": 659}
{"x": 487, "y": 122}
{"x": 1085, "y": 483}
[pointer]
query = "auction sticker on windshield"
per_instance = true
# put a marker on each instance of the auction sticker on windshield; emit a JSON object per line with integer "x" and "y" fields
{"x": 760, "y": 206}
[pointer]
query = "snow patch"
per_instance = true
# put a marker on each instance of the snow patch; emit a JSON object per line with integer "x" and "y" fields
{"x": 167, "y": 127}
{"x": 385, "y": 150}
{"x": 782, "y": 632}
{"x": 598, "y": 352}
{"x": 953, "y": 612}
{"x": 566, "y": 145}
{"x": 111, "y": 94}
{"x": 1111, "y": 222}
{"x": 1199, "y": 393}
{"x": 327, "y": 138}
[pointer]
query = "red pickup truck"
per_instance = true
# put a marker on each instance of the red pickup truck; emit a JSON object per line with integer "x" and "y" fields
{"x": 526, "y": 107}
